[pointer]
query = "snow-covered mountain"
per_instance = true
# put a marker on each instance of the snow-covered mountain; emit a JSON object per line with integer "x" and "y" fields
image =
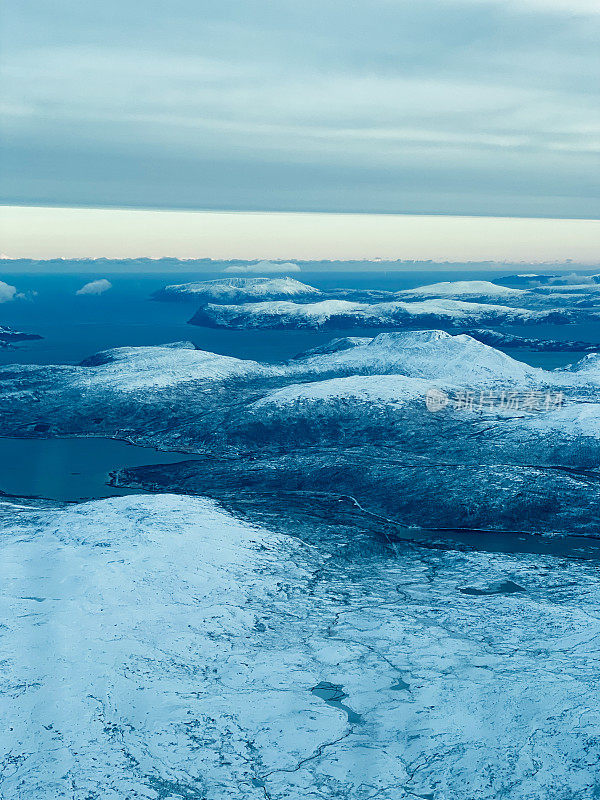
{"x": 588, "y": 368}
{"x": 437, "y": 356}
{"x": 291, "y": 426}
{"x": 465, "y": 290}
{"x": 237, "y": 290}
{"x": 384, "y": 598}
{"x": 342, "y": 314}
{"x": 431, "y": 355}
{"x": 133, "y": 368}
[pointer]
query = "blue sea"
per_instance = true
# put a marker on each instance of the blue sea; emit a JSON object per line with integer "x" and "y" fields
{"x": 75, "y": 327}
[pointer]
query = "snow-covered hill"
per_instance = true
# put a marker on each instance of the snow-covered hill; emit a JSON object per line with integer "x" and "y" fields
{"x": 432, "y": 355}
{"x": 465, "y": 290}
{"x": 334, "y": 346}
{"x": 340, "y": 314}
{"x": 133, "y": 368}
{"x": 237, "y": 290}
{"x": 388, "y": 389}
{"x": 587, "y": 369}
{"x": 351, "y": 419}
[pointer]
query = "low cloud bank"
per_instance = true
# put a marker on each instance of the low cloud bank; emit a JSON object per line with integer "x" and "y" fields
{"x": 574, "y": 279}
{"x": 265, "y": 268}
{"x": 95, "y": 287}
{"x": 8, "y": 292}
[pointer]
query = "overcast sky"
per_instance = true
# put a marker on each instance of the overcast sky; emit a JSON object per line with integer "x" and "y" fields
{"x": 428, "y": 106}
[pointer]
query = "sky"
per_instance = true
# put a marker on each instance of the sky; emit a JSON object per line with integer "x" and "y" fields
{"x": 131, "y": 233}
{"x": 437, "y": 107}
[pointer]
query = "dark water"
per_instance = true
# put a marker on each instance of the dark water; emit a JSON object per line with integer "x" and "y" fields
{"x": 75, "y": 327}
{"x": 70, "y": 469}
{"x": 333, "y": 694}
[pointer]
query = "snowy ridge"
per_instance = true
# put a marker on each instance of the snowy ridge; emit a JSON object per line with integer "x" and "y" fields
{"x": 392, "y": 370}
{"x": 348, "y": 314}
{"x": 465, "y": 289}
{"x": 237, "y": 290}
{"x": 334, "y": 346}
{"x": 587, "y": 369}
{"x": 588, "y": 364}
{"x": 388, "y": 389}
{"x": 128, "y": 369}
{"x": 433, "y": 355}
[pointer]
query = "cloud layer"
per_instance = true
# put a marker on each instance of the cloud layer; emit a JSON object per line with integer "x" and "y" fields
{"x": 264, "y": 268}
{"x": 452, "y": 106}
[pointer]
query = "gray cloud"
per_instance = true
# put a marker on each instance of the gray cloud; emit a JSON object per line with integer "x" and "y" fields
{"x": 451, "y": 106}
